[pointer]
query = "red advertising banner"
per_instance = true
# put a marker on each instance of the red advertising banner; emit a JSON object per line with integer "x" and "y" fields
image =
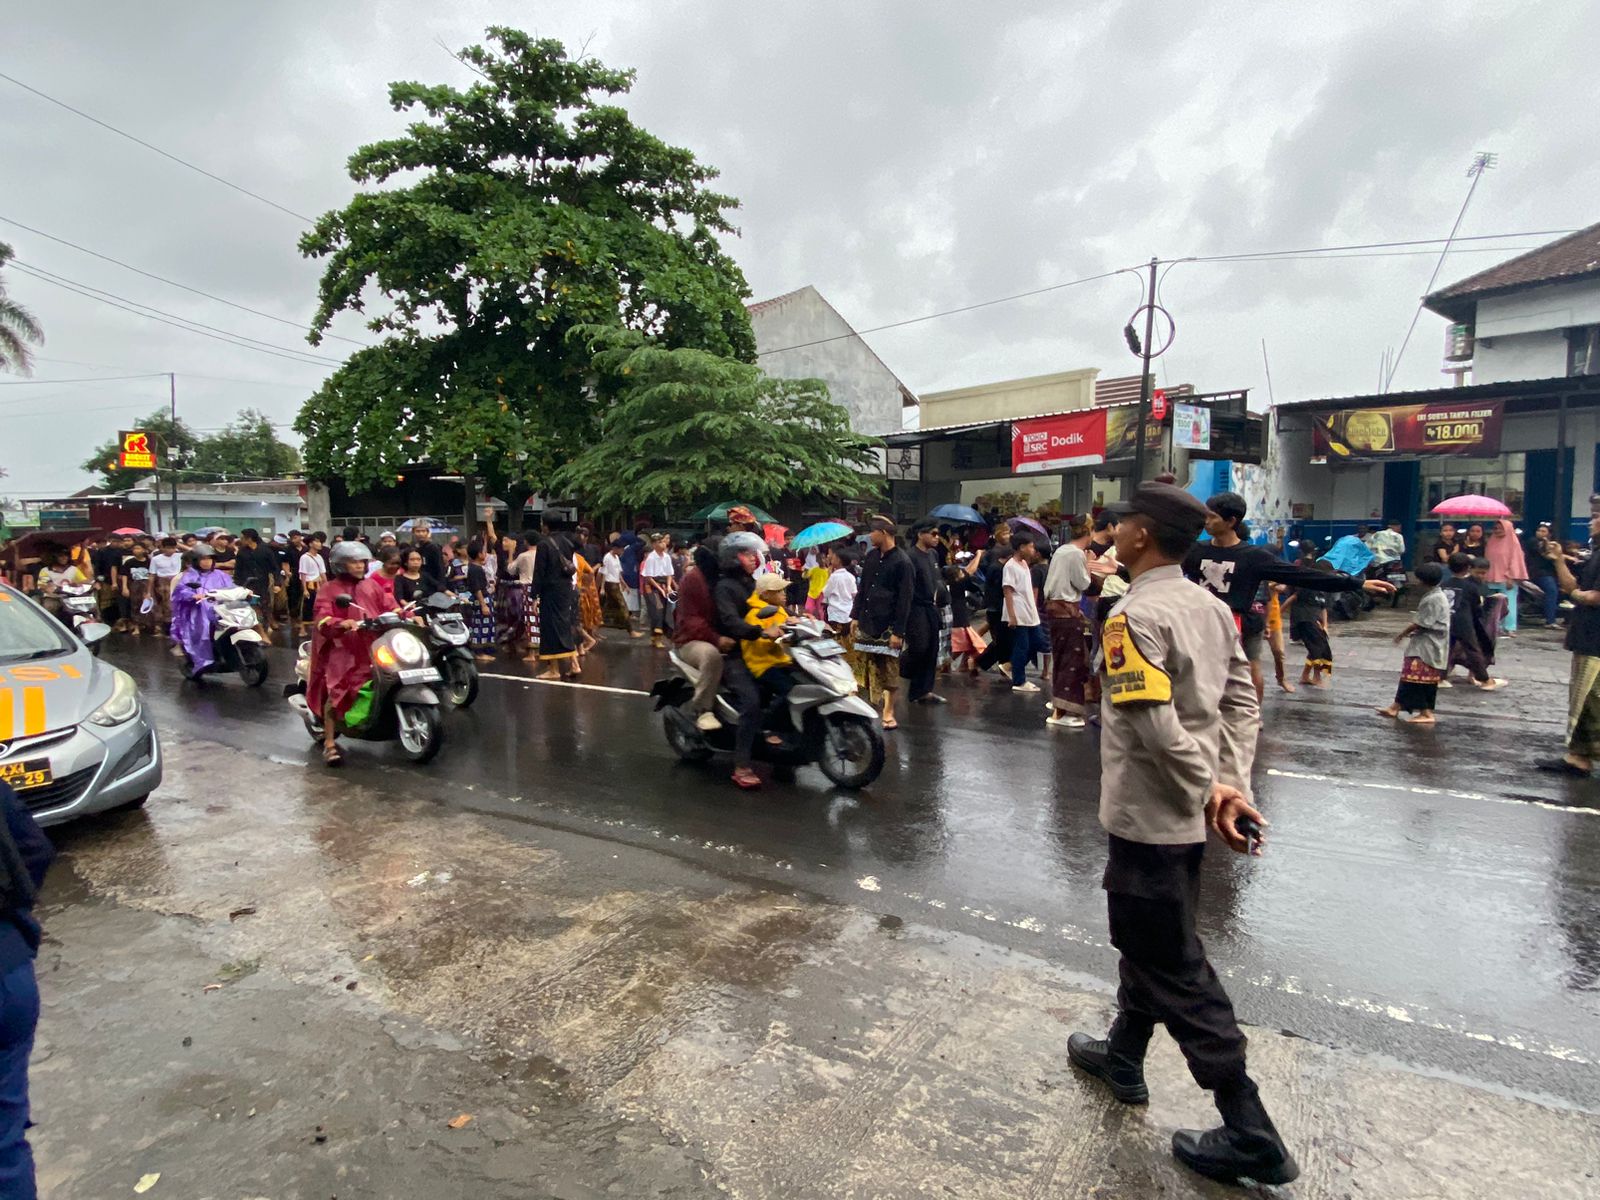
{"x": 1367, "y": 434}
{"x": 1052, "y": 443}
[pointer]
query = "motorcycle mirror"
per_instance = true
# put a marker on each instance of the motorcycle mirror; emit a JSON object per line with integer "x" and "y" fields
{"x": 93, "y": 631}
{"x": 768, "y": 611}
{"x": 344, "y": 601}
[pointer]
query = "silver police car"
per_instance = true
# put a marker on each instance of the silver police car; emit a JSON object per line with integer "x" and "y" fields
{"x": 74, "y": 738}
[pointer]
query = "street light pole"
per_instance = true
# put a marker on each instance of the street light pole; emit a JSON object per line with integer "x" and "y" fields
{"x": 1145, "y": 379}
{"x": 172, "y": 466}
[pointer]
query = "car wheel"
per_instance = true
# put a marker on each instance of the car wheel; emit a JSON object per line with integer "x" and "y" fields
{"x": 130, "y": 805}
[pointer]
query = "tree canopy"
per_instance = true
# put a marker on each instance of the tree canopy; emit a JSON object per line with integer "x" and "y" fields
{"x": 508, "y": 214}
{"x": 247, "y": 448}
{"x": 19, "y": 332}
{"x": 688, "y": 425}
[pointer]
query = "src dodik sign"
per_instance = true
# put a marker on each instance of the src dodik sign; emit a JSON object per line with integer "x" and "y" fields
{"x": 1053, "y": 443}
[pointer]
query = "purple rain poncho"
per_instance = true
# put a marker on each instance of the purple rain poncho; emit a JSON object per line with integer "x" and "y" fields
{"x": 193, "y": 621}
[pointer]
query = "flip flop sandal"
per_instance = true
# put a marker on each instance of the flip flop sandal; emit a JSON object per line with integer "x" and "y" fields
{"x": 333, "y": 757}
{"x": 748, "y": 780}
{"x": 1560, "y": 766}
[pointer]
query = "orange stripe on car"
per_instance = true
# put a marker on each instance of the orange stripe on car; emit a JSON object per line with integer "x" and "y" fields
{"x": 32, "y": 711}
{"x": 8, "y": 714}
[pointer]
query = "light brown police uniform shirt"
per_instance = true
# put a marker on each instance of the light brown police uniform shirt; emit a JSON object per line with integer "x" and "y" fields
{"x": 1178, "y": 709}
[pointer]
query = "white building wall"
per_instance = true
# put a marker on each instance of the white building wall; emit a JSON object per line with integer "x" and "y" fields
{"x": 1557, "y": 306}
{"x": 857, "y": 379}
{"x": 1520, "y": 356}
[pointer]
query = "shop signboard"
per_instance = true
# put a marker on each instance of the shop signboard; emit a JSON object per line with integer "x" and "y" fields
{"x": 137, "y": 453}
{"x": 1120, "y": 425}
{"x": 1053, "y": 443}
{"x": 1375, "y": 434}
{"x": 1191, "y": 427}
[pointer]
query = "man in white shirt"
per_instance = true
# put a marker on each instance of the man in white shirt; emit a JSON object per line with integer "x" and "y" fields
{"x": 165, "y": 566}
{"x": 1022, "y": 612}
{"x": 312, "y": 572}
{"x": 839, "y": 593}
{"x": 656, "y": 579}
{"x": 614, "y": 590}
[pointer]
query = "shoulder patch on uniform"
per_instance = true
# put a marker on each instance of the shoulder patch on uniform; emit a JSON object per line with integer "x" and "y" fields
{"x": 1130, "y": 678}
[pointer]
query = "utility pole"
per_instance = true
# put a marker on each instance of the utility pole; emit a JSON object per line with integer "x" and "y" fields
{"x": 172, "y": 465}
{"x": 1145, "y": 378}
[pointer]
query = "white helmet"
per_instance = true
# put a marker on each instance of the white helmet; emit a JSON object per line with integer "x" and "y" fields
{"x": 736, "y": 543}
{"x": 346, "y": 551}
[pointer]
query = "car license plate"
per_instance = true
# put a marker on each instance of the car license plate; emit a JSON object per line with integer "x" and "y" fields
{"x": 420, "y": 675}
{"x": 826, "y": 648}
{"x": 26, "y": 773}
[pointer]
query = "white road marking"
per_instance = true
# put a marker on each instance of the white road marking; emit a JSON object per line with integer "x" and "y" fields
{"x": 1415, "y": 790}
{"x": 593, "y": 687}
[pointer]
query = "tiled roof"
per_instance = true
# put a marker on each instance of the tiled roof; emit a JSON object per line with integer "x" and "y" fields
{"x": 1125, "y": 388}
{"x": 1573, "y": 257}
{"x": 763, "y": 305}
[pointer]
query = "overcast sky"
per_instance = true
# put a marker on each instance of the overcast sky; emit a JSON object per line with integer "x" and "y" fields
{"x": 905, "y": 158}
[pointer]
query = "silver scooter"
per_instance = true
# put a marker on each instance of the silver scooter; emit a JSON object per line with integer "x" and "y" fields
{"x": 821, "y": 721}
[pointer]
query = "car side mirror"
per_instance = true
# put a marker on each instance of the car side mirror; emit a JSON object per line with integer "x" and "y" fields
{"x": 344, "y": 601}
{"x": 93, "y": 632}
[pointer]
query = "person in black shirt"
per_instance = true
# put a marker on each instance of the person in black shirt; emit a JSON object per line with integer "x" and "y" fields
{"x": 1583, "y": 641}
{"x": 920, "y": 663}
{"x": 992, "y": 562}
{"x": 25, "y": 855}
{"x": 882, "y": 613}
{"x": 257, "y": 568}
{"x": 1445, "y": 544}
{"x": 1234, "y": 571}
{"x": 433, "y": 573}
{"x": 1469, "y": 644}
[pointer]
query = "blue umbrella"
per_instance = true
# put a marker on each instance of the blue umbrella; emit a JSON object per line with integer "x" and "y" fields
{"x": 819, "y": 534}
{"x": 962, "y": 513}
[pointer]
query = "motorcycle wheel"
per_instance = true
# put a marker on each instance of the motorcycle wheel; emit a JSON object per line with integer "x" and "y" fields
{"x": 852, "y": 750}
{"x": 252, "y": 665}
{"x": 683, "y": 745}
{"x": 460, "y": 683}
{"x": 421, "y": 731}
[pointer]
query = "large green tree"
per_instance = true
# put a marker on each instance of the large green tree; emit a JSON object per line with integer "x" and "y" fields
{"x": 246, "y": 448}
{"x": 514, "y": 211}
{"x": 688, "y": 425}
{"x": 19, "y": 332}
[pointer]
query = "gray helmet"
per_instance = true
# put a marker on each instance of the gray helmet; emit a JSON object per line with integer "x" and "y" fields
{"x": 346, "y": 551}
{"x": 735, "y": 543}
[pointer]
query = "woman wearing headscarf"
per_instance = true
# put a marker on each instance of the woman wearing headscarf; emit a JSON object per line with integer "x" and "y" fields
{"x": 193, "y": 620}
{"x": 1507, "y": 570}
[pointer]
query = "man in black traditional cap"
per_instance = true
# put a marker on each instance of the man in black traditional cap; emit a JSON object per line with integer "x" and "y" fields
{"x": 1179, "y": 722}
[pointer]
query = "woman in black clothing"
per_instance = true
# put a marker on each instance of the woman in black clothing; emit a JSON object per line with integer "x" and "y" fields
{"x": 408, "y": 584}
{"x": 553, "y": 570}
{"x": 1475, "y": 545}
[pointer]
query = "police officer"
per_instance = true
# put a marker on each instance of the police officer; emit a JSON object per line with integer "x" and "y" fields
{"x": 1180, "y": 718}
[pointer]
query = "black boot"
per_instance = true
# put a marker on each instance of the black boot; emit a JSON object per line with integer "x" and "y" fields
{"x": 1117, "y": 1060}
{"x": 1245, "y": 1146}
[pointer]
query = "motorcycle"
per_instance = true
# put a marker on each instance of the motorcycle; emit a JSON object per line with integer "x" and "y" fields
{"x": 404, "y": 707}
{"x": 80, "y": 609}
{"x": 237, "y": 642}
{"x": 447, "y": 637}
{"x": 822, "y": 721}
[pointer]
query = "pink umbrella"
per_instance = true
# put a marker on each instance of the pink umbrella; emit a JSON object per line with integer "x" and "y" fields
{"x": 1471, "y": 506}
{"x": 127, "y": 531}
{"x": 1031, "y": 525}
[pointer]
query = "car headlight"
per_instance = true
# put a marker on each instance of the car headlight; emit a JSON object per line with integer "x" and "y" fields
{"x": 408, "y": 648}
{"x": 123, "y": 705}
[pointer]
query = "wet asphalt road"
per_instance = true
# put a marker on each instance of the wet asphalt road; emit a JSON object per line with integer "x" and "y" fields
{"x": 1427, "y": 895}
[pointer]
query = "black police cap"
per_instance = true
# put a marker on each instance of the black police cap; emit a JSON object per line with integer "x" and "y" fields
{"x": 1166, "y": 504}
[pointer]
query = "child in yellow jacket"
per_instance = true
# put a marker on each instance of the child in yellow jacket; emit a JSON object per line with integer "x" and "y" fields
{"x": 767, "y": 660}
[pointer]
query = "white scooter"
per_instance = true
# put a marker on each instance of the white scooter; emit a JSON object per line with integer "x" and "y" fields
{"x": 822, "y": 721}
{"x": 80, "y": 609}
{"x": 238, "y": 646}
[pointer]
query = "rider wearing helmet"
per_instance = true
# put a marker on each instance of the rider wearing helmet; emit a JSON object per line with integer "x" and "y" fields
{"x": 739, "y": 557}
{"x": 194, "y": 621}
{"x": 340, "y": 650}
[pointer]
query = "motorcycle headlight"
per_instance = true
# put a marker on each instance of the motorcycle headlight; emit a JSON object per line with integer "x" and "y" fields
{"x": 123, "y": 705}
{"x": 408, "y": 648}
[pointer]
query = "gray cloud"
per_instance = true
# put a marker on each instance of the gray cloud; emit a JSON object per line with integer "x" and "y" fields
{"x": 904, "y": 158}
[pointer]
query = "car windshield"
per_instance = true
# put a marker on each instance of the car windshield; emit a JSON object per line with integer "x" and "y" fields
{"x": 27, "y": 631}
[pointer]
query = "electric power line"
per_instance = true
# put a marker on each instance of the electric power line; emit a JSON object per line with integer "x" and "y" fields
{"x": 94, "y": 379}
{"x": 182, "y": 162}
{"x": 166, "y": 318}
{"x": 173, "y": 282}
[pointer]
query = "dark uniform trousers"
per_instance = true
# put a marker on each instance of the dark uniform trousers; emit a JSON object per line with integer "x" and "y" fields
{"x": 1152, "y": 893}
{"x": 919, "y": 661}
